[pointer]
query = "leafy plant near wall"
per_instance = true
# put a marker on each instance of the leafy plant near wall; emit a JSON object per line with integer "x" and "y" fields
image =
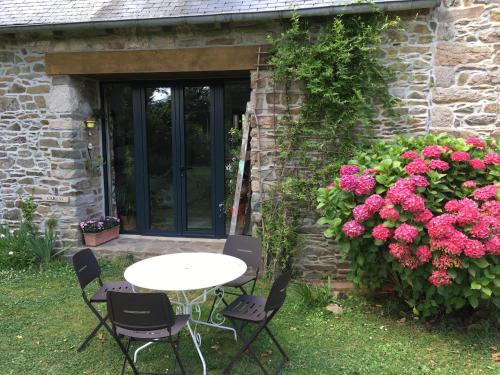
{"x": 344, "y": 84}
{"x": 422, "y": 214}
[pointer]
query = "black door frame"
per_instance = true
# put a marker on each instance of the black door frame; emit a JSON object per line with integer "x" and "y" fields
{"x": 178, "y": 152}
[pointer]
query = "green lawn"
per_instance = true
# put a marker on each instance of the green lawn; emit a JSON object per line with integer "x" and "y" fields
{"x": 43, "y": 319}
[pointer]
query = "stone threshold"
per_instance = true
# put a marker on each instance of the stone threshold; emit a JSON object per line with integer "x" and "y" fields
{"x": 141, "y": 247}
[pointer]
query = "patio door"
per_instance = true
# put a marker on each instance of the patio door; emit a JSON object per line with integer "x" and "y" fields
{"x": 167, "y": 157}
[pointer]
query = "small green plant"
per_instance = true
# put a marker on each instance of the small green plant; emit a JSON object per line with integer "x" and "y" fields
{"x": 14, "y": 251}
{"x": 313, "y": 295}
{"x": 28, "y": 209}
{"x": 44, "y": 246}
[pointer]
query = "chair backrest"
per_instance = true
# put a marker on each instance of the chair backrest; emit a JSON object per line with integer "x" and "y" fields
{"x": 140, "y": 311}
{"x": 86, "y": 267}
{"x": 277, "y": 294}
{"x": 246, "y": 248}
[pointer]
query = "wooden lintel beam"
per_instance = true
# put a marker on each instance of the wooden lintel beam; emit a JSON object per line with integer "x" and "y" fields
{"x": 210, "y": 59}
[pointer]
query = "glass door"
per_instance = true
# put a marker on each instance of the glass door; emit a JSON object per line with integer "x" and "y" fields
{"x": 167, "y": 162}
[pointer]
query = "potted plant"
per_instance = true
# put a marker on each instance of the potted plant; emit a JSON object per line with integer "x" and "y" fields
{"x": 97, "y": 232}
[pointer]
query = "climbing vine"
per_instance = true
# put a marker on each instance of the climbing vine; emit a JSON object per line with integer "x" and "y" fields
{"x": 344, "y": 85}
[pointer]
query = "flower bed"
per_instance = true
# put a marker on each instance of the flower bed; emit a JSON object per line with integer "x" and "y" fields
{"x": 97, "y": 232}
{"x": 423, "y": 214}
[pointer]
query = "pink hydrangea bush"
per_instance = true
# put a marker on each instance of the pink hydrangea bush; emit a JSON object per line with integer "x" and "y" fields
{"x": 427, "y": 214}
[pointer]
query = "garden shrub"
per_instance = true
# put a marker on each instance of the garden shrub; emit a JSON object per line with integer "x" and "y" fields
{"x": 424, "y": 215}
{"x": 14, "y": 249}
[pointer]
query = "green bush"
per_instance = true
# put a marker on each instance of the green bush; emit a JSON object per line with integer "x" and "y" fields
{"x": 14, "y": 249}
{"x": 422, "y": 214}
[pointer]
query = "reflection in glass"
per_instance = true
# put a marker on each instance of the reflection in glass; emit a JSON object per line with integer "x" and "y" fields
{"x": 159, "y": 133}
{"x": 119, "y": 118}
{"x": 198, "y": 139}
{"x": 236, "y": 96}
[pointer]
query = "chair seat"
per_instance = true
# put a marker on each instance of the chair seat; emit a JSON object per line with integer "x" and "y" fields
{"x": 240, "y": 281}
{"x": 180, "y": 322}
{"x": 115, "y": 286}
{"x": 246, "y": 307}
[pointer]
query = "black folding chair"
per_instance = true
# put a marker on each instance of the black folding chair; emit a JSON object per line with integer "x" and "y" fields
{"x": 260, "y": 311}
{"x": 87, "y": 270}
{"x": 249, "y": 250}
{"x": 144, "y": 317}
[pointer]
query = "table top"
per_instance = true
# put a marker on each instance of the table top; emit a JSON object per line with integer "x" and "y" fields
{"x": 185, "y": 271}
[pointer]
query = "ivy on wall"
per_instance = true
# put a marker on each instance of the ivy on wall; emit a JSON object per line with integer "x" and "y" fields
{"x": 338, "y": 69}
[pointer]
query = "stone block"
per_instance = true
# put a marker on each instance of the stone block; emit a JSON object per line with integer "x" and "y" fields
{"x": 481, "y": 119}
{"x": 39, "y": 89}
{"x": 66, "y": 154}
{"x": 48, "y": 142}
{"x": 64, "y": 124}
{"x": 454, "y": 14}
{"x": 452, "y": 95}
{"x": 490, "y": 36}
{"x": 444, "y": 76}
{"x": 66, "y": 99}
{"x": 460, "y": 53}
{"x": 9, "y": 104}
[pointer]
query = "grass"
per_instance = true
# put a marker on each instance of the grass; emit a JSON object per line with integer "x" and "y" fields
{"x": 43, "y": 320}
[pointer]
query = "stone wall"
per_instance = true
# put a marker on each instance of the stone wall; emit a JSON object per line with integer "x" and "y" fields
{"x": 466, "y": 75}
{"x": 447, "y": 63}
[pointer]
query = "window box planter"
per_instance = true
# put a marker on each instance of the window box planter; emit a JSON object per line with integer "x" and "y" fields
{"x": 96, "y": 239}
{"x": 97, "y": 232}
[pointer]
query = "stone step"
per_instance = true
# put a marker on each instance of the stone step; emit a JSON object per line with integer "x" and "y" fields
{"x": 141, "y": 247}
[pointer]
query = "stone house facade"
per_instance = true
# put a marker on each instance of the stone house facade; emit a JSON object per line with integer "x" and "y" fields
{"x": 54, "y": 72}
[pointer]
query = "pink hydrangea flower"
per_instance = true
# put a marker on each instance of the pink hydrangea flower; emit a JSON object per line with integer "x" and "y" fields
{"x": 477, "y": 164}
{"x": 400, "y": 191}
{"x": 374, "y": 203}
{"x": 348, "y": 183}
{"x": 440, "y": 226}
{"x": 389, "y": 213}
{"x": 491, "y": 208}
{"x": 453, "y": 206}
{"x": 460, "y": 156}
{"x": 398, "y": 250}
{"x": 353, "y": 229}
{"x": 409, "y": 154}
{"x": 485, "y": 193}
{"x": 438, "y": 165}
{"x": 478, "y": 142}
{"x": 406, "y": 233}
{"x": 361, "y": 213}
{"x": 470, "y": 184}
{"x": 381, "y": 233}
{"x": 413, "y": 203}
{"x": 419, "y": 181}
{"x": 492, "y": 158}
{"x": 365, "y": 185}
{"x": 432, "y": 151}
{"x": 439, "y": 278}
{"x": 424, "y": 254}
{"x": 347, "y": 170}
{"x": 480, "y": 230}
{"x": 474, "y": 249}
{"x": 423, "y": 217}
{"x": 468, "y": 212}
{"x": 417, "y": 166}
{"x": 493, "y": 245}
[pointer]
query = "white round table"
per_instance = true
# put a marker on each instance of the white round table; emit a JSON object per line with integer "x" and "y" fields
{"x": 183, "y": 272}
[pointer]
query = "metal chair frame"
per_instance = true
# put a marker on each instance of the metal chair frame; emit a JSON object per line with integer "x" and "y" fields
{"x": 248, "y": 249}
{"x": 153, "y": 312}
{"x": 250, "y": 309}
{"x": 88, "y": 271}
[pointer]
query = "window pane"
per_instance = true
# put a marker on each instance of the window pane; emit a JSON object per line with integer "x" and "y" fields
{"x": 119, "y": 119}
{"x": 159, "y": 130}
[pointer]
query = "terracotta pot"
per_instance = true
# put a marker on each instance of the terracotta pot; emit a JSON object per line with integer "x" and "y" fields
{"x": 96, "y": 239}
